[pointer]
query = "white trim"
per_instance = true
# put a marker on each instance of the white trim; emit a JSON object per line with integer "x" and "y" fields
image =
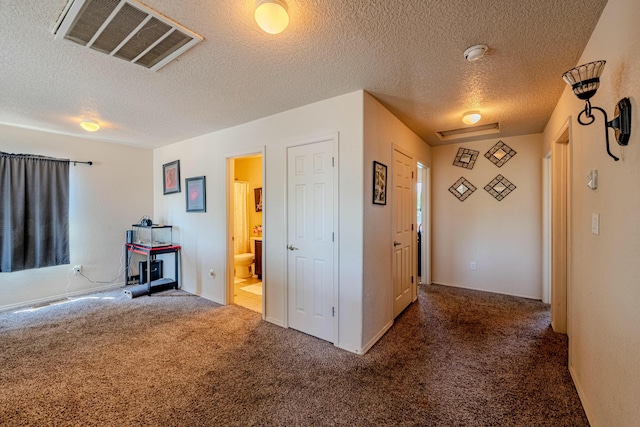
{"x": 537, "y": 298}
{"x": 66, "y": 295}
{"x": 546, "y": 228}
{"x": 377, "y": 337}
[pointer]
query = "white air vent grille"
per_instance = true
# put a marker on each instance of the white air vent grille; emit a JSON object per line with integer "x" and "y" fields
{"x": 125, "y": 29}
{"x": 468, "y": 132}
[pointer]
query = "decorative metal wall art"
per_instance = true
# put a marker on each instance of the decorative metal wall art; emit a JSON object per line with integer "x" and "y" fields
{"x": 500, "y": 187}
{"x": 462, "y": 189}
{"x": 466, "y": 158}
{"x": 500, "y": 154}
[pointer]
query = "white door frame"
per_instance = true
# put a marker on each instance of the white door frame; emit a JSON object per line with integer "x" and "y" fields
{"x": 425, "y": 238}
{"x": 334, "y": 137}
{"x": 546, "y": 227}
{"x": 561, "y": 229}
{"x": 230, "y": 159}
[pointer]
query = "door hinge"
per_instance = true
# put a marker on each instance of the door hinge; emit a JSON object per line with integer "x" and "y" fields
{"x": 333, "y": 237}
{"x": 333, "y": 162}
{"x": 333, "y": 312}
{"x": 411, "y": 174}
{"x": 411, "y": 227}
{"x": 411, "y": 279}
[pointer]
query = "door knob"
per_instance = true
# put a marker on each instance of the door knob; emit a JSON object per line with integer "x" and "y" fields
{"x": 396, "y": 243}
{"x": 292, "y": 248}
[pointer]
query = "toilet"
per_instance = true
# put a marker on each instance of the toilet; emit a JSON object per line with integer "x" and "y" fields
{"x": 242, "y": 262}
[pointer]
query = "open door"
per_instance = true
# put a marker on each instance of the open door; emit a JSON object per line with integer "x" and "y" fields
{"x": 404, "y": 234}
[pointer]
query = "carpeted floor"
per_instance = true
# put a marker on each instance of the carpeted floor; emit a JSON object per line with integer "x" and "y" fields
{"x": 454, "y": 358}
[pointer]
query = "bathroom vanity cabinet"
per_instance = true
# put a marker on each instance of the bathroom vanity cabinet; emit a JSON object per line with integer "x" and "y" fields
{"x": 258, "y": 259}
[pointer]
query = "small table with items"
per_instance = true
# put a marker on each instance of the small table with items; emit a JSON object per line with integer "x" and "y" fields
{"x": 151, "y": 253}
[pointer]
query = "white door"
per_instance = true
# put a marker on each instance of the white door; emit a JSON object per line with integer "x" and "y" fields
{"x": 403, "y": 233}
{"x": 310, "y": 246}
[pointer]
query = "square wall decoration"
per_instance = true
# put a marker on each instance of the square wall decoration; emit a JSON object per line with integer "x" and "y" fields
{"x": 462, "y": 189}
{"x": 500, "y": 187}
{"x": 500, "y": 154}
{"x": 466, "y": 158}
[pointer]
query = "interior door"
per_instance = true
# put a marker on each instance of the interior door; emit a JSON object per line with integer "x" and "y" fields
{"x": 310, "y": 235}
{"x": 403, "y": 233}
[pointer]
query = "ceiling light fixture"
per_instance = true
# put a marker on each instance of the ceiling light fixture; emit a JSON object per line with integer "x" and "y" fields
{"x": 475, "y": 52}
{"x": 89, "y": 125}
{"x": 584, "y": 81}
{"x": 272, "y": 16}
{"x": 471, "y": 117}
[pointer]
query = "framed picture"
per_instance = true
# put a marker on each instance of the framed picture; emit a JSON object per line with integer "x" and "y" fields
{"x": 379, "y": 184}
{"x": 171, "y": 177}
{"x": 196, "y": 194}
{"x": 257, "y": 194}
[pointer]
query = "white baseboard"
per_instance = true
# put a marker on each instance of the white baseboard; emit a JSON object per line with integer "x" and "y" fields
{"x": 377, "y": 337}
{"x": 585, "y": 405}
{"x": 52, "y": 298}
{"x": 488, "y": 290}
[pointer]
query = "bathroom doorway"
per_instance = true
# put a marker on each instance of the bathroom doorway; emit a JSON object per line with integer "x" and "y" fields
{"x": 245, "y": 209}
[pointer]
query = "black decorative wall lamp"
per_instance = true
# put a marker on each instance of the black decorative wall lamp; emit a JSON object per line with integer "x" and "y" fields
{"x": 585, "y": 80}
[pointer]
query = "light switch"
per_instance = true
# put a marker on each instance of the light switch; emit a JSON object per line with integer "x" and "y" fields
{"x": 595, "y": 224}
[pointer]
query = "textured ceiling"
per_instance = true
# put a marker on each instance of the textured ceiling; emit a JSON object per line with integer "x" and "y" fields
{"x": 406, "y": 53}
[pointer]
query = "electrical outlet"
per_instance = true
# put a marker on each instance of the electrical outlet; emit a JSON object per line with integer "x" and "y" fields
{"x": 472, "y": 265}
{"x": 77, "y": 269}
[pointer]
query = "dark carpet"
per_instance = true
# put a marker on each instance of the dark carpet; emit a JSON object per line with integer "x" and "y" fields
{"x": 454, "y": 358}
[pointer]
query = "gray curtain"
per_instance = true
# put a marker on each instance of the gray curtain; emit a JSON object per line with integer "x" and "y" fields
{"x": 34, "y": 212}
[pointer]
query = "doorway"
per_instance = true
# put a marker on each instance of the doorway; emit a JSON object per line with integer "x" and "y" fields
{"x": 245, "y": 206}
{"x": 423, "y": 219}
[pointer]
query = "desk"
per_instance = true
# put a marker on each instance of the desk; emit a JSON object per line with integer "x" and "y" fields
{"x": 150, "y": 253}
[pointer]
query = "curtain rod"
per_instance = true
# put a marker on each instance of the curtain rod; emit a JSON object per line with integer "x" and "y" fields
{"x": 38, "y": 157}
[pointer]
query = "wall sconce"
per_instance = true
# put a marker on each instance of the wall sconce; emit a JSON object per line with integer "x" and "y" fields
{"x": 585, "y": 80}
{"x": 272, "y": 16}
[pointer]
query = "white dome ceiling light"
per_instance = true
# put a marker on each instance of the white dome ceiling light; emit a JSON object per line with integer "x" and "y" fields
{"x": 471, "y": 117}
{"x": 272, "y": 16}
{"x": 475, "y": 52}
{"x": 89, "y": 125}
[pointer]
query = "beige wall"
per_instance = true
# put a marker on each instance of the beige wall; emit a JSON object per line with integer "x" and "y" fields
{"x": 249, "y": 169}
{"x": 503, "y": 238}
{"x": 104, "y": 200}
{"x": 604, "y": 288}
{"x": 382, "y": 132}
{"x": 203, "y": 235}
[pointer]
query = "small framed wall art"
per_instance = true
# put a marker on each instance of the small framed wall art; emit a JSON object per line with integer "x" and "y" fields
{"x": 196, "y": 194}
{"x": 379, "y": 183}
{"x": 466, "y": 158}
{"x": 171, "y": 177}
{"x": 500, "y": 154}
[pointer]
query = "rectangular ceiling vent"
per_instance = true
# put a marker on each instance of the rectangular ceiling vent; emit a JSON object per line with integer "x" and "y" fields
{"x": 125, "y": 29}
{"x": 468, "y": 132}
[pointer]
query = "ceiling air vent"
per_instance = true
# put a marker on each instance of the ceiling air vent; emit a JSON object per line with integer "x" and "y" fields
{"x": 468, "y": 132}
{"x": 125, "y": 29}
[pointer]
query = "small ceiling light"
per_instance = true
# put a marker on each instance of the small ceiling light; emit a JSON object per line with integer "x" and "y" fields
{"x": 585, "y": 81}
{"x": 471, "y": 117}
{"x": 475, "y": 52}
{"x": 89, "y": 125}
{"x": 272, "y": 16}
